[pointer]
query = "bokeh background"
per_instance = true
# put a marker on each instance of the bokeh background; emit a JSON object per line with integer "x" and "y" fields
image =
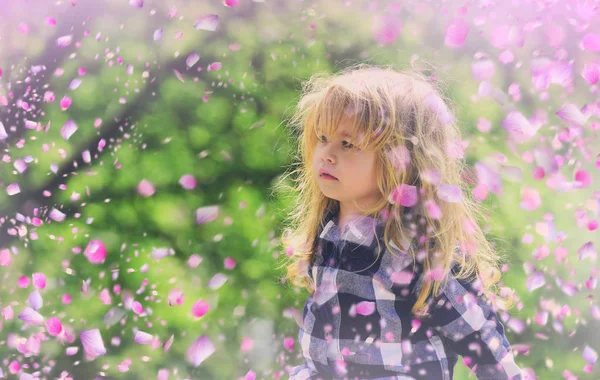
{"x": 141, "y": 141}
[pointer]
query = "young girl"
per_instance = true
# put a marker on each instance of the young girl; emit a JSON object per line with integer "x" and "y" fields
{"x": 385, "y": 237}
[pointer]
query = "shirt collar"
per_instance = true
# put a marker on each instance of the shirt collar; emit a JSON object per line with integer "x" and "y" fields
{"x": 360, "y": 230}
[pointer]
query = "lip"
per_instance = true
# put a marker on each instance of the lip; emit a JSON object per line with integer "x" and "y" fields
{"x": 323, "y": 171}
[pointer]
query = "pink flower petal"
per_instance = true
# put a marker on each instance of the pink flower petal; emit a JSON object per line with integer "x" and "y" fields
{"x": 145, "y": 188}
{"x": 192, "y": 59}
{"x": 405, "y": 195}
{"x": 200, "y": 308}
{"x": 68, "y": 129}
{"x": 572, "y": 115}
{"x": 175, "y": 297}
{"x": 386, "y": 29}
{"x": 518, "y": 127}
{"x": 95, "y": 252}
{"x": 8, "y": 313}
{"x": 399, "y": 157}
{"x": 591, "y": 42}
{"x": 35, "y": 300}
{"x": 105, "y": 297}
{"x": 168, "y": 343}
{"x": 229, "y": 263}
{"x": 200, "y": 350}
{"x": 142, "y": 337}
{"x": 136, "y": 3}
{"x": 54, "y": 326}
{"x": 56, "y": 215}
{"x": 402, "y": 277}
{"x": 483, "y": 69}
{"x": 231, "y": 3}
{"x": 456, "y": 33}
{"x": 535, "y": 281}
{"x": 13, "y": 189}
{"x": 207, "y": 22}
{"x": 187, "y": 181}
{"x": 137, "y": 307}
{"x": 583, "y": 179}
{"x": 433, "y": 210}
{"x": 158, "y": 33}
{"x": 31, "y": 317}
{"x": 92, "y": 343}
{"x": 449, "y": 193}
{"x": 530, "y": 199}
{"x": 64, "y": 41}
{"x": 206, "y": 214}
{"x": 5, "y": 257}
{"x": 39, "y": 280}
{"x": 217, "y": 281}
{"x": 589, "y": 355}
{"x": 587, "y": 251}
{"x": 591, "y": 73}
{"x": 365, "y": 308}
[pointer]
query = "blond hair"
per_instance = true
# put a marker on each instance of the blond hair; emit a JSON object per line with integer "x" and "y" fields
{"x": 395, "y": 114}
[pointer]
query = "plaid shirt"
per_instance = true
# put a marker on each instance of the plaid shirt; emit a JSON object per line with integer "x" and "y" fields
{"x": 358, "y": 322}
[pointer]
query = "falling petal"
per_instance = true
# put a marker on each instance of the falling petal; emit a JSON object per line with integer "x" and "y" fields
{"x": 386, "y": 29}
{"x": 35, "y": 300}
{"x": 591, "y": 73}
{"x": 39, "y": 280}
{"x": 158, "y": 33}
{"x": 168, "y": 343}
{"x": 449, "y": 193}
{"x": 572, "y": 115}
{"x": 13, "y": 189}
{"x": 530, "y": 199}
{"x": 405, "y": 195}
{"x": 54, "y": 326}
{"x": 200, "y": 308}
{"x": 137, "y": 307}
{"x": 456, "y": 34}
{"x": 92, "y": 342}
{"x": 201, "y": 349}
{"x": 231, "y": 3}
{"x": 217, "y": 281}
{"x": 95, "y": 252}
{"x": 207, "y": 22}
{"x": 589, "y": 355}
{"x": 591, "y": 42}
{"x": 114, "y": 315}
{"x": 64, "y": 41}
{"x": 142, "y": 337}
{"x": 535, "y": 281}
{"x": 192, "y": 59}
{"x": 31, "y": 317}
{"x": 518, "y": 127}
{"x": 175, "y": 297}
{"x": 68, "y": 129}
{"x": 587, "y": 251}
{"x": 206, "y": 214}
{"x": 136, "y": 3}
{"x": 178, "y": 75}
{"x": 365, "y": 308}
{"x": 75, "y": 83}
{"x": 145, "y": 188}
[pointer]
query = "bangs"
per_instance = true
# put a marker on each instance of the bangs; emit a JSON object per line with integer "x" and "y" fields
{"x": 337, "y": 104}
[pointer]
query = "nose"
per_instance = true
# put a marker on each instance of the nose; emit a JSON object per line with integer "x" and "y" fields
{"x": 327, "y": 155}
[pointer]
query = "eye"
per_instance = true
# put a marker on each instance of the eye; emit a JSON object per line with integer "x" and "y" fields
{"x": 349, "y": 146}
{"x": 321, "y": 138}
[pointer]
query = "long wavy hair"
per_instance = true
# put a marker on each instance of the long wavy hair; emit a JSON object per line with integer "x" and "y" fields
{"x": 404, "y": 118}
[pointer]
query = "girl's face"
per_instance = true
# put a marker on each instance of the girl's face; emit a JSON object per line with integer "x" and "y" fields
{"x": 353, "y": 168}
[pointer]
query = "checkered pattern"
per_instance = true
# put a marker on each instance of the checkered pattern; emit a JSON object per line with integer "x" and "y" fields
{"x": 358, "y": 324}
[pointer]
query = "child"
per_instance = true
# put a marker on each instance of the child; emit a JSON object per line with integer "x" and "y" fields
{"x": 381, "y": 169}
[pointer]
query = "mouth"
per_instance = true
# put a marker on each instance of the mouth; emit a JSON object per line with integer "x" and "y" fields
{"x": 328, "y": 176}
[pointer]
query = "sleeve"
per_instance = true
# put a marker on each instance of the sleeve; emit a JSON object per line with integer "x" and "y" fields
{"x": 469, "y": 326}
{"x": 302, "y": 372}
